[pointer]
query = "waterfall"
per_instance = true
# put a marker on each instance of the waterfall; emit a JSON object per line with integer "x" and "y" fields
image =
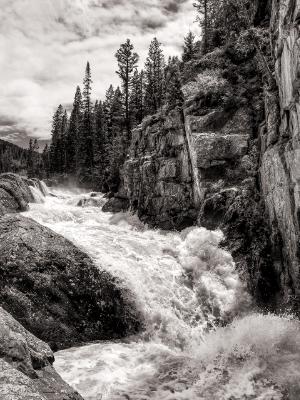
{"x": 44, "y": 189}
{"x": 37, "y": 195}
{"x": 201, "y": 338}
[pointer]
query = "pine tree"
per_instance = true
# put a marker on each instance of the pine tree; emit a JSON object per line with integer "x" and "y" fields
{"x": 202, "y": 7}
{"x": 154, "y": 74}
{"x": 55, "y": 150}
{"x": 174, "y": 95}
{"x": 86, "y": 156}
{"x": 63, "y": 142}
{"x": 127, "y": 62}
{"x": 33, "y": 159}
{"x": 118, "y": 141}
{"x": 189, "y": 48}
{"x": 100, "y": 144}
{"x": 73, "y": 134}
{"x": 136, "y": 103}
{"x": 223, "y": 19}
{"x": 46, "y": 161}
{"x": 30, "y": 159}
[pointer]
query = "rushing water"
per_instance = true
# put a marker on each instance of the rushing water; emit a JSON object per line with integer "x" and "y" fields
{"x": 201, "y": 340}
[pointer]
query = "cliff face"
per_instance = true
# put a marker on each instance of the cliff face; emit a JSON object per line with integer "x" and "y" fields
{"x": 280, "y": 165}
{"x": 156, "y": 178}
{"x": 224, "y": 113}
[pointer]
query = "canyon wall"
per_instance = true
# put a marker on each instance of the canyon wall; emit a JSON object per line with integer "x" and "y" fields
{"x": 280, "y": 164}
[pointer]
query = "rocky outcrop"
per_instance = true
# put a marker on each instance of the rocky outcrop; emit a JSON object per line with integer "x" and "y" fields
{"x": 220, "y": 134}
{"x": 55, "y": 291}
{"x": 280, "y": 165}
{"x": 224, "y": 110}
{"x": 14, "y": 194}
{"x": 26, "y": 371}
{"x": 156, "y": 178}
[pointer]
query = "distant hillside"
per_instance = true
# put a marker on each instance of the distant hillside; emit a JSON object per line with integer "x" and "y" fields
{"x": 12, "y": 158}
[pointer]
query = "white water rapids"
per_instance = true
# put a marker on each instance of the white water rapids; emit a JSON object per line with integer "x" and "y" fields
{"x": 186, "y": 288}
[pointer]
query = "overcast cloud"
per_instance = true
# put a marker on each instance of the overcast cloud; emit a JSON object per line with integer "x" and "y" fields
{"x": 44, "y": 46}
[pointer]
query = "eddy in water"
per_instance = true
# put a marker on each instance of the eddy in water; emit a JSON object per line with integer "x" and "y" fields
{"x": 201, "y": 340}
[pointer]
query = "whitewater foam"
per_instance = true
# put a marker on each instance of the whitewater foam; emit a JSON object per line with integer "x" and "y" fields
{"x": 187, "y": 288}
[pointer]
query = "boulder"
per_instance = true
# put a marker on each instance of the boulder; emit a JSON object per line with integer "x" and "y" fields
{"x": 14, "y": 193}
{"x": 116, "y": 204}
{"x": 26, "y": 371}
{"x": 55, "y": 291}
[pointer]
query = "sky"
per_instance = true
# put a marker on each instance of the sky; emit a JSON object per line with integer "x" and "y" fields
{"x": 45, "y": 44}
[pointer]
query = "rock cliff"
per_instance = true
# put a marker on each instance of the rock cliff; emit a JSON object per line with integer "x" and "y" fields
{"x": 280, "y": 164}
{"x": 156, "y": 178}
{"x": 232, "y": 160}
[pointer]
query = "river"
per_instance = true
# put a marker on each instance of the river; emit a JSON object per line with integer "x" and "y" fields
{"x": 202, "y": 338}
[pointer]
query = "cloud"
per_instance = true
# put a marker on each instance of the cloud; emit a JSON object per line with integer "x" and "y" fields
{"x": 44, "y": 46}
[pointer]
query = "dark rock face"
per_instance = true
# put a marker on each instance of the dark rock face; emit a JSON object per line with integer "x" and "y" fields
{"x": 26, "y": 371}
{"x": 14, "y": 194}
{"x": 55, "y": 291}
{"x": 116, "y": 204}
{"x": 223, "y": 115}
{"x": 280, "y": 165}
{"x": 156, "y": 178}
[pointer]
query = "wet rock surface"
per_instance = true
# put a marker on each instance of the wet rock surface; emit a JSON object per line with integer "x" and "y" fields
{"x": 26, "y": 371}
{"x": 14, "y": 194}
{"x": 55, "y": 291}
{"x": 280, "y": 166}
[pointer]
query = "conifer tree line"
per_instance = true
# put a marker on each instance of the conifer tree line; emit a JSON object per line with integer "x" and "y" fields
{"x": 92, "y": 142}
{"x": 222, "y": 20}
{"x": 12, "y": 158}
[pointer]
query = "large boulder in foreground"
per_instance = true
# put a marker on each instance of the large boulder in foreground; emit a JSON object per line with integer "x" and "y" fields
{"x": 26, "y": 371}
{"x": 14, "y": 194}
{"x": 55, "y": 291}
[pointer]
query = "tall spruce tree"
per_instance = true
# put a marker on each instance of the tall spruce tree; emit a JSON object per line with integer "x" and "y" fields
{"x": 46, "y": 161}
{"x": 73, "y": 134}
{"x": 189, "y": 48}
{"x": 86, "y": 155}
{"x": 136, "y": 101}
{"x": 155, "y": 79}
{"x": 118, "y": 141}
{"x": 127, "y": 62}
{"x": 33, "y": 159}
{"x": 63, "y": 142}
{"x": 174, "y": 95}
{"x": 202, "y": 8}
{"x": 100, "y": 145}
{"x": 55, "y": 149}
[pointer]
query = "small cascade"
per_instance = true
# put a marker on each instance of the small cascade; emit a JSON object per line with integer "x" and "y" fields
{"x": 43, "y": 188}
{"x": 37, "y": 194}
{"x": 38, "y": 190}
